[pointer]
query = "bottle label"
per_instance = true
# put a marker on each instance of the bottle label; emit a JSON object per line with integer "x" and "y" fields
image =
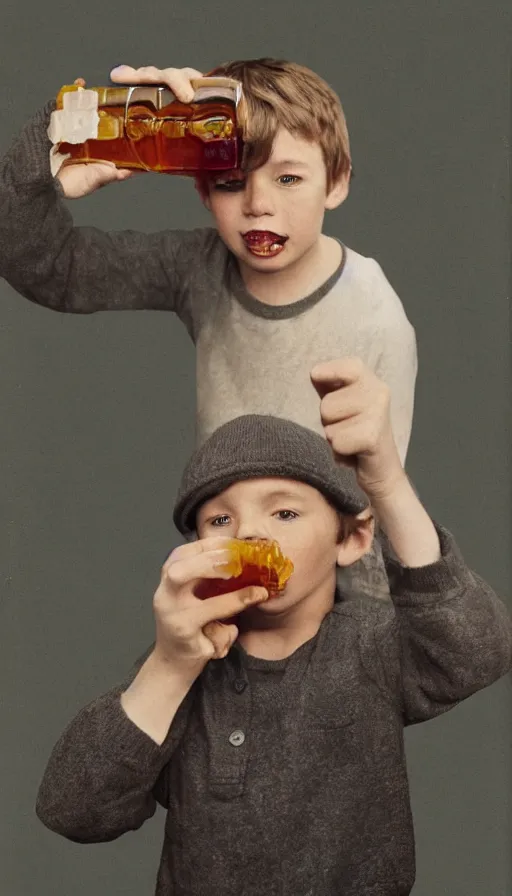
{"x": 78, "y": 120}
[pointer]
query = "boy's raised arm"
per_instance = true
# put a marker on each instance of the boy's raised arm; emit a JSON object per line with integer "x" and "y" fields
{"x": 79, "y": 269}
{"x": 451, "y": 633}
{"x": 454, "y": 635}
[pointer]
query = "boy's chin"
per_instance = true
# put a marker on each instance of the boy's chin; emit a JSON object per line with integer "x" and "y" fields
{"x": 264, "y": 263}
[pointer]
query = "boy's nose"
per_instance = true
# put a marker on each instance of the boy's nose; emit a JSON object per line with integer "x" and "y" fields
{"x": 256, "y": 201}
{"x": 252, "y": 533}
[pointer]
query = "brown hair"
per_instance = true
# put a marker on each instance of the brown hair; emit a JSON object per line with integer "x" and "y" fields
{"x": 284, "y": 94}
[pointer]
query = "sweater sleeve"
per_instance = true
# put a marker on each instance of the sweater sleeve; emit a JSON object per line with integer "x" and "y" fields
{"x": 105, "y": 775}
{"x": 81, "y": 269}
{"x": 450, "y": 636}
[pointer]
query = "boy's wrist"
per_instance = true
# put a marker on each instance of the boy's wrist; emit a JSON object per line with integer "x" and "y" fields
{"x": 170, "y": 671}
{"x": 406, "y": 524}
{"x": 161, "y": 680}
{"x": 380, "y": 471}
{"x": 153, "y": 698}
{"x": 386, "y": 490}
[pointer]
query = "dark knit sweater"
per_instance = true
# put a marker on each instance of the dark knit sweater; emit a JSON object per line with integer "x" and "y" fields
{"x": 288, "y": 778}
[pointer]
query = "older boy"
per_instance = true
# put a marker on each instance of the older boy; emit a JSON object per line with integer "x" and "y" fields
{"x": 265, "y": 294}
{"x": 276, "y": 746}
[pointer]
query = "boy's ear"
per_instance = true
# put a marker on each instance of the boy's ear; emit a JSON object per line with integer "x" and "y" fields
{"x": 204, "y": 194}
{"x": 338, "y": 192}
{"x": 358, "y": 541}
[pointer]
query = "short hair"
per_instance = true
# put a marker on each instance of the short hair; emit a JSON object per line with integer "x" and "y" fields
{"x": 278, "y": 94}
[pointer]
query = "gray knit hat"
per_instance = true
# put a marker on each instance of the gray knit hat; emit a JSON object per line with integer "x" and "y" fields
{"x": 253, "y": 446}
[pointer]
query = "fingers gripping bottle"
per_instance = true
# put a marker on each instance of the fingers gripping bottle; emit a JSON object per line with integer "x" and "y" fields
{"x": 144, "y": 127}
{"x": 259, "y": 562}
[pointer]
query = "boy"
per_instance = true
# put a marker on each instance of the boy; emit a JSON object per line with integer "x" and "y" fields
{"x": 265, "y": 295}
{"x": 260, "y": 317}
{"x": 277, "y": 747}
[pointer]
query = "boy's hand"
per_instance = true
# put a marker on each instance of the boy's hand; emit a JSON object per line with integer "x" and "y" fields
{"x": 177, "y": 79}
{"x": 188, "y": 630}
{"x": 78, "y": 179}
{"x": 354, "y": 408}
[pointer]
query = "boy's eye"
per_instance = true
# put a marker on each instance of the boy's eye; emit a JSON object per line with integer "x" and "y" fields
{"x": 223, "y": 520}
{"x": 230, "y": 186}
{"x": 286, "y": 515}
{"x": 287, "y": 180}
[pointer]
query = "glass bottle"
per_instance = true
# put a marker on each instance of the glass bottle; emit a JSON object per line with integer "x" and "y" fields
{"x": 145, "y": 127}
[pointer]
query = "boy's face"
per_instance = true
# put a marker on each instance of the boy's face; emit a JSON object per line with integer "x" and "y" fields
{"x": 273, "y": 217}
{"x": 303, "y": 523}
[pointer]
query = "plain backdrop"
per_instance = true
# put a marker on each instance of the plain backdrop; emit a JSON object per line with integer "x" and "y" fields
{"x": 97, "y": 412}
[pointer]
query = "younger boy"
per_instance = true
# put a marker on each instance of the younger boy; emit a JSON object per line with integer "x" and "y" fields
{"x": 277, "y": 747}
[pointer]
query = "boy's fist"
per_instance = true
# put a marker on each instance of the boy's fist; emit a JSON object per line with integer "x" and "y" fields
{"x": 355, "y": 412}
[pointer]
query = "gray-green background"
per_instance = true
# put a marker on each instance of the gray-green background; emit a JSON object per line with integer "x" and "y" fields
{"x": 97, "y": 413}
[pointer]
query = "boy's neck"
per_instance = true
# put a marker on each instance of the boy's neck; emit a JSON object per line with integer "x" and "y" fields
{"x": 296, "y": 281}
{"x": 276, "y": 644}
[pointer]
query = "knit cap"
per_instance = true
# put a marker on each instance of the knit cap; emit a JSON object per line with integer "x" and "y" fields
{"x": 256, "y": 446}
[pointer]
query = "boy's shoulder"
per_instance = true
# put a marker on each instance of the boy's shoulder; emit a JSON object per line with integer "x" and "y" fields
{"x": 370, "y": 622}
{"x": 358, "y": 644}
{"x": 359, "y": 624}
{"x": 362, "y": 613}
{"x": 365, "y": 279}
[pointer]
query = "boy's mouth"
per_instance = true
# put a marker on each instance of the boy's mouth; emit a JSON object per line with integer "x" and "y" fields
{"x": 264, "y": 243}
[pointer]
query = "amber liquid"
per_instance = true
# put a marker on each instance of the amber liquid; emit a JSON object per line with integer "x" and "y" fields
{"x": 149, "y": 139}
{"x": 260, "y": 563}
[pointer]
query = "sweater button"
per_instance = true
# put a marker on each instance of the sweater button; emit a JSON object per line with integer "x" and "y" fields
{"x": 236, "y": 738}
{"x": 240, "y": 685}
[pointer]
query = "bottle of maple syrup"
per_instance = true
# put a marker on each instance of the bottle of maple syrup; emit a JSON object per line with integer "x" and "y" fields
{"x": 145, "y": 127}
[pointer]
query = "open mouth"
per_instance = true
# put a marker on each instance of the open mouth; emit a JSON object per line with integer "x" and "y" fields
{"x": 264, "y": 243}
